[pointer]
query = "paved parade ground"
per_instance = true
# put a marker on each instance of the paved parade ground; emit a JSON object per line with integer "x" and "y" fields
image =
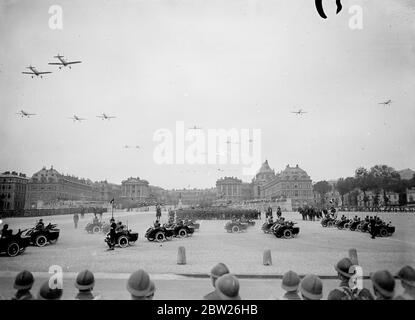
{"x": 315, "y": 250}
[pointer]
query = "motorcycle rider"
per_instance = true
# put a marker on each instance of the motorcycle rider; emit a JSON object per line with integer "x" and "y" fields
{"x": 40, "y": 225}
{"x": 5, "y": 232}
{"x": 157, "y": 224}
{"x": 279, "y": 213}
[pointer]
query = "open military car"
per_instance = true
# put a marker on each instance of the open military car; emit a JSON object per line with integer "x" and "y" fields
{"x": 236, "y": 226}
{"x": 123, "y": 238}
{"x": 14, "y": 244}
{"x": 42, "y": 236}
{"x": 285, "y": 230}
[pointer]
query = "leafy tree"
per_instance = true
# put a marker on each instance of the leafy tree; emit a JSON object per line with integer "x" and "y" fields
{"x": 322, "y": 187}
{"x": 364, "y": 181}
{"x": 344, "y": 186}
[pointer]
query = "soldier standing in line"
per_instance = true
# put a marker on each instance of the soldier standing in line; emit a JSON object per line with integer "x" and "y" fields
{"x": 217, "y": 271}
{"x": 75, "y": 220}
{"x": 23, "y": 284}
{"x": 113, "y": 227}
{"x": 85, "y": 282}
{"x": 344, "y": 292}
{"x": 383, "y": 285}
{"x": 290, "y": 283}
{"x": 407, "y": 277}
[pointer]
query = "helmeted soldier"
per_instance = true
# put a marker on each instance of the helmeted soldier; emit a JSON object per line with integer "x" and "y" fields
{"x": 383, "y": 285}
{"x": 407, "y": 277}
{"x": 40, "y": 225}
{"x": 344, "y": 292}
{"x": 113, "y": 227}
{"x": 226, "y": 288}
{"x": 140, "y": 286}
{"x": 48, "y": 293}
{"x": 290, "y": 283}
{"x": 23, "y": 284}
{"x": 5, "y": 231}
{"x": 311, "y": 288}
{"x": 217, "y": 271}
{"x": 85, "y": 282}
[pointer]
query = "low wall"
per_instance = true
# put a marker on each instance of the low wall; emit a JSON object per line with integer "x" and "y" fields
{"x": 50, "y": 212}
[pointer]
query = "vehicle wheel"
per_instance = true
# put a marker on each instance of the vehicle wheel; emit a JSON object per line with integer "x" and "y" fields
{"x": 182, "y": 233}
{"x": 329, "y": 224}
{"x": 235, "y": 229}
{"x": 41, "y": 241}
{"x": 160, "y": 237}
{"x": 359, "y": 228}
{"x": 324, "y": 225}
{"x": 340, "y": 227}
{"x": 13, "y": 249}
{"x": 123, "y": 241}
{"x": 347, "y": 226}
{"x": 96, "y": 229}
{"x": 383, "y": 232}
{"x": 288, "y": 234}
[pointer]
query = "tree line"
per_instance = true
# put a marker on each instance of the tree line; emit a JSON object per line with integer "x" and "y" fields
{"x": 379, "y": 179}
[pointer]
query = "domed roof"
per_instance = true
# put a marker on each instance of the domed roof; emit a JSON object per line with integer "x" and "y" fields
{"x": 294, "y": 173}
{"x": 265, "y": 168}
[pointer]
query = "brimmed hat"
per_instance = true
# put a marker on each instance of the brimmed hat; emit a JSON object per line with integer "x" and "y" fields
{"x": 407, "y": 275}
{"x": 227, "y": 287}
{"x": 343, "y": 267}
{"x": 46, "y": 293}
{"x": 85, "y": 280}
{"x": 290, "y": 281}
{"x": 384, "y": 282}
{"x": 139, "y": 284}
{"x": 311, "y": 287}
{"x": 24, "y": 280}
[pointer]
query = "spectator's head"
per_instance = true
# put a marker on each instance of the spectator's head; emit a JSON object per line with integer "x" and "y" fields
{"x": 5, "y": 227}
{"x": 217, "y": 271}
{"x": 24, "y": 281}
{"x": 383, "y": 284}
{"x": 227, "y": 287}
{"x": 85, "y": 281}
{"x": 407, "y": 277}
{"x": 140, "y": 286}
{"x": 311, "y": 288}
{"x": 290, "y": 281}
{"x": 343, "y": 268}
{"x": 46, "y": 293}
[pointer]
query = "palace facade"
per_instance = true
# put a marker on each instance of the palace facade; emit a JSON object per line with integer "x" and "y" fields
{"x": 12, "y": 190}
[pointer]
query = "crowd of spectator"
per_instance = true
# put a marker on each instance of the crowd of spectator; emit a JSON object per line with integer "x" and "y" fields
{"x": 226, "y": 286}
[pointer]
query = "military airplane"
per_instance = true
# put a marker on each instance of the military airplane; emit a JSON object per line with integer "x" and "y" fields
{"x": 129, "y": 147}
{"x": 25, "y": 114}
{"x": 105, "y": 117}
{"x": 299, "y": 112}
{"x": 387, "y": 103}
{"x": 76, "y": 118}
{"x": 63, "y": 62}
{"x": 35, "y": 72}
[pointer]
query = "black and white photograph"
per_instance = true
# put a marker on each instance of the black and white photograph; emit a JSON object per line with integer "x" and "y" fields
{"x": 211, "y": 150}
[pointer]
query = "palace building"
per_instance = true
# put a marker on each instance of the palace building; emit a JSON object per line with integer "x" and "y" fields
{"x": 135, "y": 189}
{"x": 12, "y": 190}
{"x": 49, "y": 187}
{"x": 229, "y": 189}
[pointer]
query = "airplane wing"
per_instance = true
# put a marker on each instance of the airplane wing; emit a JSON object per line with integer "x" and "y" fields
{"x": 28, "y": 72}
{"x": 102, "y": 117}
{"x": 73, "y": 62}
{"x": 56, "y": 63}
{"x": 44, "y": 72}
{"x": 111, "y": 117}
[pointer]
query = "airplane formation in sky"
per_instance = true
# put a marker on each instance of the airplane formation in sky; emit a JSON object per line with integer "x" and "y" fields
{"x": 62, "y": 63}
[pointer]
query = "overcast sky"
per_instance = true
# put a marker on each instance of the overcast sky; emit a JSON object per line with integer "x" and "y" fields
{"x": 243, "y": 64}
